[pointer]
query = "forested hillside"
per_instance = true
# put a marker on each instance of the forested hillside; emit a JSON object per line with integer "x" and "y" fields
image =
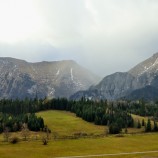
{"x": 117, "y": 115}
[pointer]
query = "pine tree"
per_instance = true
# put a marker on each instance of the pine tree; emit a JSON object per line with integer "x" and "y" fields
{"x": 126, "y": 130}
{"x": 148, "y": 126}
{"x": 155, "y": 126}
{"x": 114, "y": 128}
{"x": 143, "y": 122}
{"x": 138, "y": 124}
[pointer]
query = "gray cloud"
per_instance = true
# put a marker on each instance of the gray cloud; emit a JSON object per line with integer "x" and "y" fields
{"x": 105, "y": 36}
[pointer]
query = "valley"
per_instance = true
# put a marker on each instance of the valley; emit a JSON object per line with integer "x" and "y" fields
{"x": 78, "y": 79}
{"x": 63, "y": 105}
{"x": 65, "y": 123}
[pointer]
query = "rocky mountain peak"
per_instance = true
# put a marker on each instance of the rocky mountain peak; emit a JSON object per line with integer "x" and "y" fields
{"x": 54, "y": 78}
{"x": 137, "y": 83}
{"x": 155, "y": 55}
{"x": 149, "y": 66}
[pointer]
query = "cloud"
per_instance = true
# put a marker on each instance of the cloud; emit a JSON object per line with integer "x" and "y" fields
{"x": 105, "y": 36}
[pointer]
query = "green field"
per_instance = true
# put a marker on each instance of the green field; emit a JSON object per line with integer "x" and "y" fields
{"x": 65, "y": 123}
{"x": 90, "y": 146}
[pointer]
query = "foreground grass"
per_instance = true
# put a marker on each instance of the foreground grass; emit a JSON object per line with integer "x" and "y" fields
{"x": 66, "y": 123}
{"x": 90, "y": 146}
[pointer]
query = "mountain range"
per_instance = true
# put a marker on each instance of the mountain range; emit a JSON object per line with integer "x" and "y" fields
{"x": 20, "y": 79}
{"x": 139, "y": 82}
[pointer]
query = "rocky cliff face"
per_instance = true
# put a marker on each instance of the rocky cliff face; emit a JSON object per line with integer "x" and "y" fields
{"x": 121, "y": 84}
{"x": 19, "y": 79}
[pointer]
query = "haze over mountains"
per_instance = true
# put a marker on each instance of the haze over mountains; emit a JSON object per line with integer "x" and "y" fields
{"x": 20, "y": 79}
{"x": 139, "y": 82}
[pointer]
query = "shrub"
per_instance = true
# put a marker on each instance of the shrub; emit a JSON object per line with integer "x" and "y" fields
{"x": 114, "y": 129}
{"x": 14, "y": 140}
{"x": 45, "y": 141}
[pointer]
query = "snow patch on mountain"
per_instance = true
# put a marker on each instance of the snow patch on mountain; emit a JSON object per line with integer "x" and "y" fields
{"x": 51, "y": 91}
{"x": 72, "y": 77}
{"x": 58, "y": 72}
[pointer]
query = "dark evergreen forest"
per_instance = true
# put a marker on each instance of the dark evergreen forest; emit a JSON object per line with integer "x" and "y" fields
{"x": 116, "y": 115}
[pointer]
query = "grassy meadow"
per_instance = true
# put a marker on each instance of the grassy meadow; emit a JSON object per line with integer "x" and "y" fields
{"x": 65, "y": 123}
{"x": 112, "y": 144}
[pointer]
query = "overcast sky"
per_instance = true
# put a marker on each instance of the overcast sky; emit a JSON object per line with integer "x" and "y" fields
{"x": 104, "y": 36}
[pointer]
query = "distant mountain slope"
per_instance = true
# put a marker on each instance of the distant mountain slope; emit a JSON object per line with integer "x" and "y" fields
{"x": 19, "y": 79}
{"x": 146, "y": 93}
{"x": 122, "y": 84}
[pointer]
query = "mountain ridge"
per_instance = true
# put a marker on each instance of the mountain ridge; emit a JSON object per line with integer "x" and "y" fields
{"x": 122, "y": 84}
{"x": 20, "y": 78}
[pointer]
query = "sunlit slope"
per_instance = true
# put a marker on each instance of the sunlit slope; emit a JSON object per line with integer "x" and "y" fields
{"x": 66, "y": 123}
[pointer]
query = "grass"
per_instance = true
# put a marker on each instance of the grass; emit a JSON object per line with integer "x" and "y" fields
{"x": 35, "y": 149}
{"x": 140, "y": 118}
{"x": 65, "y": 123}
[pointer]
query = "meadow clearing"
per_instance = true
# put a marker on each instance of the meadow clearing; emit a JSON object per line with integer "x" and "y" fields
{"x": 65, "y": 123}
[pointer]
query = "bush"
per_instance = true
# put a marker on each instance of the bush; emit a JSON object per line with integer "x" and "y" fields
{"x": 45, "y": 141}
{"x": 114, "y": 129}
{"x": 14, "y": 140}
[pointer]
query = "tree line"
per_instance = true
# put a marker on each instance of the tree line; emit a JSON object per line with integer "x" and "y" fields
{"x": 115, "y": 114}
{"x": 16, "y": 123}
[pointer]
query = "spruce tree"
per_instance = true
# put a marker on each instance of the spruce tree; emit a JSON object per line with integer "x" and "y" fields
{"x": 126, "y": 130}
{"x": 143, "y": 122}
{"x": 155, "y": 126}
{"x": 148, "y": 126}
{"x": 138, "y": 124}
